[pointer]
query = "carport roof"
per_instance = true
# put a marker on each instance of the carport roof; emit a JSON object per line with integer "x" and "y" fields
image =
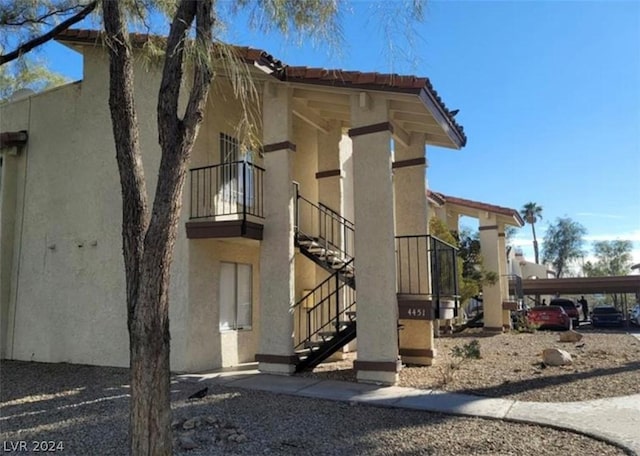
{"x": 583, "y": 285}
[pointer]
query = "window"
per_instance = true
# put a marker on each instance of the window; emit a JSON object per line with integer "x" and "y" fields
{"x": 235, "y": 296}
{"x": 237, "y": 174}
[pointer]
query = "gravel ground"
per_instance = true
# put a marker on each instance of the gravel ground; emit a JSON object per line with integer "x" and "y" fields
{"x": 85, "y": 408}
{"x": 606, "y": 364}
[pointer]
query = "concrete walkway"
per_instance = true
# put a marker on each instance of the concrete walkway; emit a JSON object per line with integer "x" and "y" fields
{"x": 615, "y": 420}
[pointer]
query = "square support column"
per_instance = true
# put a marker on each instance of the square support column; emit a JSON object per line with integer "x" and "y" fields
{"x": 412, "y": 218}
{"x": 504, "y": 279}
{"x": 329, "y": 179}
{"x": 329, "y": 172}
{"x": 12, "y": 173}
{"x": 491, "y": 294}
{"x": 377, "y": 312}
{"x": 277, "y": 266}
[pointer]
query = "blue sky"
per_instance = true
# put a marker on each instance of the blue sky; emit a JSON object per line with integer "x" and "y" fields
{"x": 548, "y": 92}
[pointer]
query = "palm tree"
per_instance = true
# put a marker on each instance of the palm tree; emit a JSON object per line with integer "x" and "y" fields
{"x": 531, "y": 213}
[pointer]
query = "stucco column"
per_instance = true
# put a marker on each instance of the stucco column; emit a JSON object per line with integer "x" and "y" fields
{"x": 491, "y": 294}
{"x": 8, "y": 195}
{"x": 329, "y": 179}
{"x": 346, "y": 183}
{"x": 441, "y": 213}
{"x": 328, "y": 175}
{"x": 277, "y": 266}
{"x": 412, "y": 218}
{"x": 377, "y": 312}
{"x": 504, "y": 279}
{"x": 453, "y": 221}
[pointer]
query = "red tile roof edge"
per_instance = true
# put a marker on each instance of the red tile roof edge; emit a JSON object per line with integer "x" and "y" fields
{"x": 371, "y": 81}
{"x": 507, "y": 211}
{"x": 329, "y": 77}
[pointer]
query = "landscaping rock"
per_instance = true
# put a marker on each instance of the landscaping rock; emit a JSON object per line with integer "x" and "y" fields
{"x": 570, "y": 336}
{"x": 191, "y": 423}
{"x": 212, "y": 420}
{"x": 186, "y": 442}
{"x": 556, "y": 357}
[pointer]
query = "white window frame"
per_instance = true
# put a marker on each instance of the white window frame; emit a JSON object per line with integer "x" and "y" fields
{"x": 236, "y": 304}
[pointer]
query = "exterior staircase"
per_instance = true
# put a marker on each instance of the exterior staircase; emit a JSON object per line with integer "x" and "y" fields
{"x": 325, "y": 317}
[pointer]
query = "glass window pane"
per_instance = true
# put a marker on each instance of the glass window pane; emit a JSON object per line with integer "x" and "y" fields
{"x": 244, "y": 296}
{"x": 227, "y": 295}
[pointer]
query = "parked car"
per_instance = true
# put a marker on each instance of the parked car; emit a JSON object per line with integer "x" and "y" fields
{"x": 569, "y": 307}
{"x": 606, "y": 316}
{"x": 549, "y": 317}
{"x": 634, "y": 315}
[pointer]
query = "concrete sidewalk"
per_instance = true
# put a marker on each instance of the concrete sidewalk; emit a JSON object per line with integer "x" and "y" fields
{"x": 615, "y": 420}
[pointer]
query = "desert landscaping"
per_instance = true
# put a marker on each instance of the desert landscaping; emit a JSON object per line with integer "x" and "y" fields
{"x": 86, "y": 407}
{"x": 605, "y": 363}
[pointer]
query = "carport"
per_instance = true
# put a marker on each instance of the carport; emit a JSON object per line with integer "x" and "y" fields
{"x": 582, "y": 285}
{"x": 586, "y": 285}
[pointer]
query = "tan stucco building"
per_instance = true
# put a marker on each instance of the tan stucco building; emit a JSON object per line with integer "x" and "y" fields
{"x": 272, "y": 241}
{"x": 498, "y": 298}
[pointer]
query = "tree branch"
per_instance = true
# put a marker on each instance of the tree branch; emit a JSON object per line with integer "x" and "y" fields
{"x": 39, "y": 19}
{"x": 29, "y": 45}
{"x": 173, "y": 69}
{"x": 125, "y": 130}
{"x": 203, "y": 73}
{"x": 176, "y": 135}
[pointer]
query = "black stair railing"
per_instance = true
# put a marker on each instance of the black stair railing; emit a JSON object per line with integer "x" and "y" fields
{"x": 324, "y": 311}
{"x": 326, "y": 228}
{"x": 227, "y": 189}
{"x": 419, "y": 255}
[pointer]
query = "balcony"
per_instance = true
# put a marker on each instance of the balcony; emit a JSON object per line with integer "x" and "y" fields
{"x": 427, "y": 275}
{"x": 226, "y": 200}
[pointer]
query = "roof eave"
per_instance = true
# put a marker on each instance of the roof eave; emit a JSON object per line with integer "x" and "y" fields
{"x": 458, "y": 140}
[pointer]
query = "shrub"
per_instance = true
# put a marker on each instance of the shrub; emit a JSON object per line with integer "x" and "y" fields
{"x": 459, "y": 356}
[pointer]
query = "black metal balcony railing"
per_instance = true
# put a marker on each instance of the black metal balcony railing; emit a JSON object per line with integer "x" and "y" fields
{"x": 418, "y": 255}
{"x": 227, "y": 189}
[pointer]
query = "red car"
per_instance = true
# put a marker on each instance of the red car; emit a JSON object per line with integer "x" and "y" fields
{"x": 569, "y": 307}
{"x": 549, "y": 317}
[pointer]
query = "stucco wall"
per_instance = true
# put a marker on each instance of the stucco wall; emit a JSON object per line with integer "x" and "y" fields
{"x": 68, "y": 282}
{"x": 11, "y": 203}
{"x": 305, "y": 165}
{"x": 68, "y": 303}
{"x": 207, "y": 346}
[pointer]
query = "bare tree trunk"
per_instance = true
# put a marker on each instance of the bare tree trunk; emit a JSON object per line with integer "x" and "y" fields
{"x": 535, "y": 244}
{"x": 148, "y": 240}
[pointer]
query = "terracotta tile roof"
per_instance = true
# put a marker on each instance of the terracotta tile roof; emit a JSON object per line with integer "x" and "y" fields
{"x": 436, "y": 197}
{"x": 247, "y": 54}
{"x": 500, "y": 210}
{"x": 306, "y": 75}
{"x": 372, "y": 81}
